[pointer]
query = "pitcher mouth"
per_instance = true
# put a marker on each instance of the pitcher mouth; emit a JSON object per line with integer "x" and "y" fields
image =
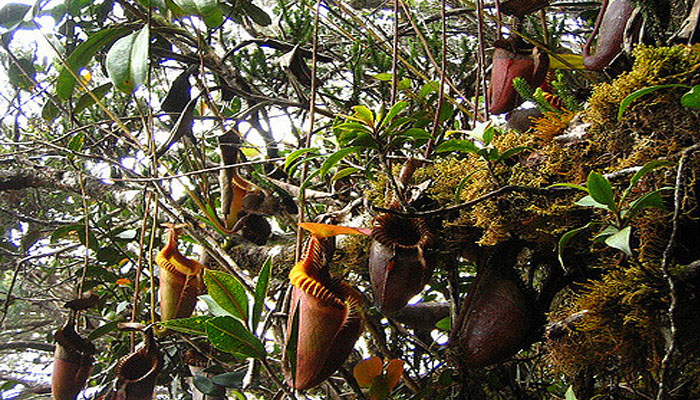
{"x": 392, "y": 230}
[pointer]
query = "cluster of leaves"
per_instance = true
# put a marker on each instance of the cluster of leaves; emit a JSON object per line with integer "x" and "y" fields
{"x": 600, "y": 195}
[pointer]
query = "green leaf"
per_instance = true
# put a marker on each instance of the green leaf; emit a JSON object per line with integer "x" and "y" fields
{"x": 444, "y": 324}
{"x": 458, "y": 145}
{"x": 193, "y": 325}
{"x": 230, "y": 379}
{"x": 641, "y": 92}
{"x": 600, "y": 190}
{"x": 393, "y": 112}
{"x": 621, "y": 240}
{"x": 446, "y": 112}
{"x": 81, "y": 57}
{"x": 570, "y": 395}
{"x": 606, "y": 233}
{"x": 228, "y": 292}
{"x": 691, "y": 99}
{"x": 206, "y": 386}
{"x": 49, "y": 112}
{"x": 512, "y": 152}
{"x": 261, "y": 292}
{"x": 404, "y": 84}
{"x": 569, "y": 185}
{"x": 296, "y": 154}
{"x": 213, "y": 306}
{"x": 343, "y": 173}
{"x": 256, "y": 13}
{"x": 648, "y": 167}
{"x": 587, "y": 201}
{"x": 460, "y": 186}
{"x": 103, "y": 330}
{"x": 335, "y": 158}
{"x": 87, "y": 100}
{"x": 77, "y": 141}
{"x": 565, "y": 239}
{"x": 13, "y": 14}
{"x": 228, "y": 334}
{"x": 383, "y": 76}
{"x": 650, "y": 200}
{"x": 127, "y": 60}
{"x": 417, "y": 134}
{"x": 364, "y": 115}
{"x": 428, "y": 88}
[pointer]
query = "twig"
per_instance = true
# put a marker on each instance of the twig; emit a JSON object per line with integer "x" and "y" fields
{"x": 500, "y": 191}
{"x": 668, "y": 251}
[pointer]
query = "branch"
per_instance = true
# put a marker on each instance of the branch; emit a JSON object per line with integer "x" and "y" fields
{"x": 23, "y": 345}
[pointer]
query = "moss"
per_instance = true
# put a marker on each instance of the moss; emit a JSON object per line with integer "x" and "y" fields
{"x": 625, "y": 311}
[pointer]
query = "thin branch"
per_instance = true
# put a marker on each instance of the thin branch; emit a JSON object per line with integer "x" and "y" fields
{"x": 668, "y": 251}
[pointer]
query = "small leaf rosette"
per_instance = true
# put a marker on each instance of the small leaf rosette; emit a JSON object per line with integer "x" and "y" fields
{"x": 401, "y": 260}
{"x": 72, "y": 362}
{"x": 327, "y": 311}
{"x": 180, "y": 279}
{"x": 510, "y": 61}
{"x": 494, "y": 323}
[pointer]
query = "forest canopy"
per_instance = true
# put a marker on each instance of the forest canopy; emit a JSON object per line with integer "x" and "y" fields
{"x": 366, "y": 199}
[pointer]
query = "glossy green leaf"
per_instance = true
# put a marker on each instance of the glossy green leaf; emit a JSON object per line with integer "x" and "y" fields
{"x": 100, "y": 331}
{"x": 192, "y": 326}
{"x": 22, "y": 74}
{"x": 86, "y": 100}
{"x": 393, "y": 112}
{"x": 230, "y": 379}
{"x": 207, "y": 386}
{"x": 428, "y": 88}
{"x": 228, "y": 334}
{"x": 257, "y": 14}
{"x": 600, "y": 190}
{"x": 649, "y": 200}
{"x": 228, "y": 292}
{"x": 444, "y": 324}
{"x": 81, "y": 57}
{"x": 646, "y": 168}
{"x": 417, "y": 134}
{"x": 587, "y": 201}
{"x": 621, "y": 240}
{"x": 605, "y": 233}
{"x": 458, "y": 145}
{"x": 343, "y": 173}
{"x": 512, "y": 152}
{"x": 127, "y": 60}
{"x": 49, "y": 112}
{"x": 446, "y": 112}
{"x": 383, "y": 76}
{"x": 641, "y": 92}
{"x": 293, "y": 156}
{"x": 335, "y": 158}
{"x": 213, "y": 306}
{"x": 13, "y": 14}
{"x": 569, "y": 185}
{"x": 77, "y": 141}
{"x": 565, "y": 239}
{"x": 691, "y": 99}
{"x": 404, "y": 84}
{"x": 261, "y": 292}
{"x": 570, "y": 395}
{"x": 364, "y": 115}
